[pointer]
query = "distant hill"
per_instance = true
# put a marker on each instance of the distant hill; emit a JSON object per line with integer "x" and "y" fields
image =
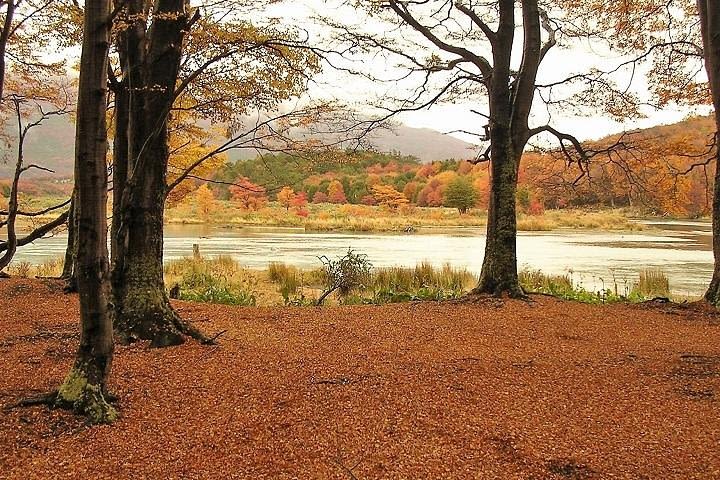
{"x": 423, "y": 143}
{"x": 52, "y": 145}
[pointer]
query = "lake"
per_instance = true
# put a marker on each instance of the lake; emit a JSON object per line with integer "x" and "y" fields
{"x": 683, "y": 249}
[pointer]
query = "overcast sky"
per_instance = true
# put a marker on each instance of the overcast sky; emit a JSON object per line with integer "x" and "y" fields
{"x": 559, "y": 63}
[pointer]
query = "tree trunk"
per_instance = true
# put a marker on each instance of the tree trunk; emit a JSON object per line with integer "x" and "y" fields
{"x": 152, "y": 61}
{"x": 142, "y": 307}
{"x": 508, "y": 131}
{"x": 69, "y": 273}
{"x": 710, "y": 24}
{"x": 499, "y": 270}
{"x": 84, "y": 388}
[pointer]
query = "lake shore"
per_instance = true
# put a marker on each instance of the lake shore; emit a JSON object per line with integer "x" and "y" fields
{"x": 492, "y": 389}
{"x": 365, "y": 218}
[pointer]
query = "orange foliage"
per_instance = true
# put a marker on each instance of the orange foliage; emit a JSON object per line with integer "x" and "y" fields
{"x": 285, "y": 197}
{"x": 388, "y": 197}
{"x": 336, "y": 192}
{"x": 249, "y": 195}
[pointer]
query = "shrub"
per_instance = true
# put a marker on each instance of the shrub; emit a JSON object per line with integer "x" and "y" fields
{"x": 344, "y": 274}
{"x": 653, "y": 283}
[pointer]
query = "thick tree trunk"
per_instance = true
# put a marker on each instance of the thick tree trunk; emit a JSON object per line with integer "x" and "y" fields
{"x": 710, "y": 24}
{"x": 509, "y": 110}
{"x": 84, "y": 387}
{"x": 151, "y": 60}
{"x": 499, "y": 271}
{"x": 142, "y": 307}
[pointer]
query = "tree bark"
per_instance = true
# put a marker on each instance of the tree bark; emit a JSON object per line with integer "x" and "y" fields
{"x": 69, "y": 273}
{"x": 151, "y": 63}
{"x": 509, "y": 110}
{"x": 84, "y": 387}
{"x": 499, "y": 271}
{"x": 710, "y": 24}
{"x": 4, "y": 40}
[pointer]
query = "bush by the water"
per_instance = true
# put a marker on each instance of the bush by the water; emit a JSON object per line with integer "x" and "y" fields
{"x": 223, "y": 280}
{"x": 215, "y": 280}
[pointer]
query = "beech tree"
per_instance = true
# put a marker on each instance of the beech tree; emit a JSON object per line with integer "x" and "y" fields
{"x": 469, "y": 49}
{"x": 173, "y": 58}
{"x": 709, "y": 12}
{"x": 84, "y": 388}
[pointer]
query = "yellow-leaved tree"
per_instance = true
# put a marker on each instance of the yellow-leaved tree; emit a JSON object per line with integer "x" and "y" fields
{"x": 179, "y": 65}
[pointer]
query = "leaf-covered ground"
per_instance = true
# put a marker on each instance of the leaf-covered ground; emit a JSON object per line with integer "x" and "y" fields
{"x": 492, "y": 389}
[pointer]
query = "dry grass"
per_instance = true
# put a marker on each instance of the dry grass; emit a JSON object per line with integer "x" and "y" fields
{"x": 653, "y": 283}
{"x": 48, "y": 268}
{"x": 364, "y": 218}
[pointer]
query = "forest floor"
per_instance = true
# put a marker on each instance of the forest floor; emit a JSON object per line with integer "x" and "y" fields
{"x": 486, "y": 389}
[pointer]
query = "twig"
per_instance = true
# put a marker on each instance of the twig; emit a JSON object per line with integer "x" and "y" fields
{"x": 212, "y": 340}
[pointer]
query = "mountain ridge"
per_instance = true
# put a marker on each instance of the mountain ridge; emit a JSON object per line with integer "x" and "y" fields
{"x": 52, "y": 146}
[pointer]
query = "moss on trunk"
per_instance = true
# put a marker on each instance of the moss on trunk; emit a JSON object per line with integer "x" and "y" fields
{"x": 142, "y": 307}
{"x": 85, "y": 396}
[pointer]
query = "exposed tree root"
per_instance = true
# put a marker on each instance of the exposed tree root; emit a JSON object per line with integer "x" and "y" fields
{"x": 163, "y": 327}
{"x": 88, "y": 401}
{"x": 42, "y": 399}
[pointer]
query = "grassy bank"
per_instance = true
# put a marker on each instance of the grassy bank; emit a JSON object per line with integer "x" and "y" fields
{"x": 365, "y": 218}
{"x": 224, "y": 280}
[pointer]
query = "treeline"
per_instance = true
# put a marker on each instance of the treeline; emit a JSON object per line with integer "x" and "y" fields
{"x": 657, "y": 173}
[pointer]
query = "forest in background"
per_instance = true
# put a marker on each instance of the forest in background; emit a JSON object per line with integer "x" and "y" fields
{"x": 659, "y": 175}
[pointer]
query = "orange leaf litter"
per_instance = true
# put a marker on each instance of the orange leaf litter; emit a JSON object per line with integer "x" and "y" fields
{"x": 494, "y": 389}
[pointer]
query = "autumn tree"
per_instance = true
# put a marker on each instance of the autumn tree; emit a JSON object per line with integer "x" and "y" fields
{"x": 285, "y": 197}
{"x": 85, "y": 386}
{"x": 336, "y": 192}
{"x": 205, "y": 201}
{"x": 299, "y": 203}
{"x": 472, "y": 49}
{"x": 460, "y": 194}
{"x": 250, "y": 195}
{"x": 386, "y": 196}
{"x": 175, "y": 57}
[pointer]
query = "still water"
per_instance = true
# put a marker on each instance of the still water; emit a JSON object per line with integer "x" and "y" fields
{"x": 594, "y": 259}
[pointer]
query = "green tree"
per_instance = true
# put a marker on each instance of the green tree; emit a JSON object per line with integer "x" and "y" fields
{"x": 460, "y": 194}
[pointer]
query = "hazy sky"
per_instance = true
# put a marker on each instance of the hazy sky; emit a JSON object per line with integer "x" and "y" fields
{"x": 559, "y": 63}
